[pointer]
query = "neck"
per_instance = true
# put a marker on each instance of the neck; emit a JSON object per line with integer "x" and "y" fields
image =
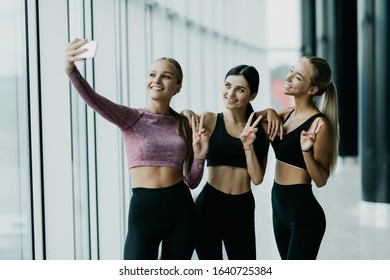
{"x": 236, "y": 116}
{"x": 159, "y": 108}
{"x": 303, "y": 107}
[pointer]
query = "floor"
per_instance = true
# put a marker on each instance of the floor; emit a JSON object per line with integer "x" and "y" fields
{"x": 356, "y": 230}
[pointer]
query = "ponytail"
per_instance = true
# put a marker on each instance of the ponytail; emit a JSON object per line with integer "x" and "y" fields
{"x": 329, "y": 107}
{"x": 322, "y": 78}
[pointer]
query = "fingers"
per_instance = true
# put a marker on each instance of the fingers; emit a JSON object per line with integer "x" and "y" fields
{"x": 249, "y": 132}
{"x": 73, "y": 49}
{"x": 198, "y": 132}
{"x": 318, "y": 126}
{"x": 308, "y": 135}
{"x": 76, "y": 43}
{"x": 257, "y": 121}
{"x": 193, "y": 126}
{"x": 248, "y": 125}
{"x": 275, "y": 129}
{"x": 201, "y": 122}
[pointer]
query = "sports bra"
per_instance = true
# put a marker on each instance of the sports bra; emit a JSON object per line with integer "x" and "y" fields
{"x": 288, "y": 150}
{"x": 227, "y": 150}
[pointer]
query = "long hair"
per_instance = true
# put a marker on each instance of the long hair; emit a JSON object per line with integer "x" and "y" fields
{"x": 182, "y": 123}
{"x": 252, "y": 77}
{"x": 322, "y": 78}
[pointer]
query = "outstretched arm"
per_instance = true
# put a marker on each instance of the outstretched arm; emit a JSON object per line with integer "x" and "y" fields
{"x": 118, "y": 114}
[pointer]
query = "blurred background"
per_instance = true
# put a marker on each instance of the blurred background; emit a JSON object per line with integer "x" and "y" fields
{"x": 64, "y": 185}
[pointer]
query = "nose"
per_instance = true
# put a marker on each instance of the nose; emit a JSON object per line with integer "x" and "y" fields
{"x": 231, "y": 92}
{"x": 157, "y": 79}
{"x": 289, "y": 76}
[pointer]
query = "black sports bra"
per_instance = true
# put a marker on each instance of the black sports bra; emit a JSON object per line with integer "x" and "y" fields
{"x": 225, "y": 149}
{"x": 288, "y": 150}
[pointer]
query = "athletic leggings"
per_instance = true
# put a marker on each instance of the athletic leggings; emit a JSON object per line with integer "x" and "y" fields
{"x": 164, "y": 215}
{"x": 225, "y": 218}
{"x": 298, "y": 220}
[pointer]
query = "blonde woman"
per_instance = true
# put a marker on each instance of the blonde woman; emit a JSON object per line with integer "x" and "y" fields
{"x": 306, "y": 153}
{"x": 165, "y": 159}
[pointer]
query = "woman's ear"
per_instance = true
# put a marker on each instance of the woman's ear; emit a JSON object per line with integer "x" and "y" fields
{"x": 313, "y": 90}
{"x": 253, "y": 96}
{"x": 178, "y": 88}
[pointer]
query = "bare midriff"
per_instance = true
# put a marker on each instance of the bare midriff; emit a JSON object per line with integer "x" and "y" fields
{"x": 286, "y": 174}
{"x": 229, "y": 179}
{"x": 155, "y": 177}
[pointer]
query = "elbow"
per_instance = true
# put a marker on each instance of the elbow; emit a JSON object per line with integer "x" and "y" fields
{"x": 257, "y": 181}
{"x": 321, "y": 183}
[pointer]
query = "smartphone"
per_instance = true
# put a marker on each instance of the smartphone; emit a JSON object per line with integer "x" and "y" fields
{"x": 90, "y": 50}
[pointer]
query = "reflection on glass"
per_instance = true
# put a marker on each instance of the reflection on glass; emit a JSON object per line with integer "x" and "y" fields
{"x": 15, "y": 231}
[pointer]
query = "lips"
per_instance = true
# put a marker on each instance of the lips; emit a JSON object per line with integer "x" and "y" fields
{"x": 286, "y": 86}
{"x": 231, "y": 101}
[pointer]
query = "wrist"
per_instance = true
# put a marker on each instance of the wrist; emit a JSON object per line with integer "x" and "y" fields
{"x": 199, "y": 159}
{"x": 247, "y": 148}
{"x": 70, "y": 69}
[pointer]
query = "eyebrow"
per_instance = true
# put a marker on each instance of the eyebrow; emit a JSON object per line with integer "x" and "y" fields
{"x": 243, "y": 87}
{"x": 301, "y": 75}
{"x": 165, "y": 72}
{"x": 292, "y": 67}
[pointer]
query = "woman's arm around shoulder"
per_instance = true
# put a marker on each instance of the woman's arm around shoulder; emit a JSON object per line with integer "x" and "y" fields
{"x": 271, "y": 122}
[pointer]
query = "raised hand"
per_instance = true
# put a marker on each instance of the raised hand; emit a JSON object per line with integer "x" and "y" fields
{"x": 248, "y": 135}
{"x": 309, "y": 137}
{"x": 200, "y": 138}
{"x": 71, "y": 52}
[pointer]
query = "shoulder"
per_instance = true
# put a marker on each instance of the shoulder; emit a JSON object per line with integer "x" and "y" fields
{"x": 208, "y": 116}
{"x": 209, "y": 120}
{"x": 321, "y": 123}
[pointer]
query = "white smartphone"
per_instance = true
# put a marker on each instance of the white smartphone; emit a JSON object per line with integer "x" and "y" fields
{"x": 90, "y": 50}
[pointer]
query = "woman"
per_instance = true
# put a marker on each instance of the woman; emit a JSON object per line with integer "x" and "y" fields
{"x": 164, "y": 159}
{"x": 236, "y": 158}
{"x": 307, "y": 152}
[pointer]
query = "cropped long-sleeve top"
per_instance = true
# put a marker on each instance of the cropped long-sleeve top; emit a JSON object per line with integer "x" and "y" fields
{"x": 150, "y": 139}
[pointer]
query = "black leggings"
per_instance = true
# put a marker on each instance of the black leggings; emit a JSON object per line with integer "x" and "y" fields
{"x": 164, "y": 215}
{"x": 298, "y": 220}
{"x": 227, "y": 218}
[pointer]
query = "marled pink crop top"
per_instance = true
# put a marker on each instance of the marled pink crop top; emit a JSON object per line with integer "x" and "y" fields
{"x": 150, "y": 139}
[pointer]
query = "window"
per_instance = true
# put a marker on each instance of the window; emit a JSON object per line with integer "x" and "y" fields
{"x": 15, "y": 214}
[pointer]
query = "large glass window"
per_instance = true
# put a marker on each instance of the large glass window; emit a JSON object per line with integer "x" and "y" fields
{"x": 283, "y": 45}
{"x": 15, "y": 226}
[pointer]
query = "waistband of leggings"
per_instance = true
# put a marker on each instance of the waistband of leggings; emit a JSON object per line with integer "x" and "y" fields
{"x": 173, "y": 188}
{"x": 217, "y": 192}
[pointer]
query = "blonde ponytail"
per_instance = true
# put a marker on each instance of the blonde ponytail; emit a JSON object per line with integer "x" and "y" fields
{"x": 329, "y": 107}
{"x": 322, "y": 78}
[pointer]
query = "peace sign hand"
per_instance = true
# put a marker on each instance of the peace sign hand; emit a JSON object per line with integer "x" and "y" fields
{"x": 248, "y": 135}
{"x": 200, "y": 138}
{"x": 309, "y": 137}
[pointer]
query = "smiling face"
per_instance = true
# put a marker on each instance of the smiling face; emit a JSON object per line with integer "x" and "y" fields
{"x": 162, "y": 80}
{"x": 298, "y": 80}
{"x": 236, "y": 92}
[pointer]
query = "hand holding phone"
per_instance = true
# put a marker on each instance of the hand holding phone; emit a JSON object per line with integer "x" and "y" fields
{"x": 90, "y": 50}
